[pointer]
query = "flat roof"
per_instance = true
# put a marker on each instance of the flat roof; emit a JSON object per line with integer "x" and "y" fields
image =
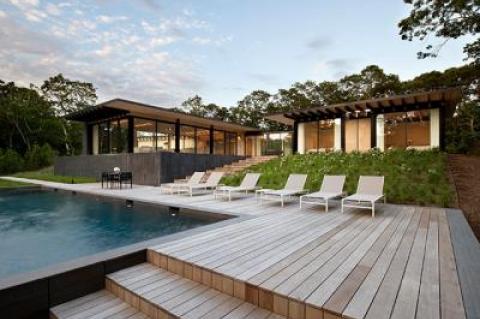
{"x": 121, "y": 107}
{"x": 387, "y": 104}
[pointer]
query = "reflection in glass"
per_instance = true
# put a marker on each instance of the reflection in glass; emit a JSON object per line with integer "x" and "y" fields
{"x": 219, "y": 142}
{"x": 144, "y": 136}
{"x": 187, "y": 139}
{"x": 203, "y": 141}
{"x": 406, "y": 130}
{"x": 165, "y": 137}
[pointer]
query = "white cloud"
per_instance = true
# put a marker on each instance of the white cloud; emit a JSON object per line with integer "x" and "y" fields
{"x": 160, "y": 41}
{"x": 2, "y": 14}
{"x": 111, "y": 19}
{"x": 53, "y": 9}
{"x": 104, "y": 51}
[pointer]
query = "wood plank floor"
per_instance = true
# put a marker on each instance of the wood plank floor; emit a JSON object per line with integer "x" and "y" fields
{"x": 308, "y": 265}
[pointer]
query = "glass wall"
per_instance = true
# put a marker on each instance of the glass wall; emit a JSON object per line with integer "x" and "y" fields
{"x": 231, "y": 144}
{"x": 358, "y": 135}
{"x": 203, "y": 141}
{"x": 319, "y": 136}
{"x": 165, "y": 137}
{"x": 219, "y": 142}
{"x": 405, "y": 130}
{"x": 187, "y": 139}
{"x": 144, "y": 140}
{"x": 111, "y": 137}
{"x": 276, "y": 143}
{"x": 103, "y": 138}
{"x": 119, "y": 136}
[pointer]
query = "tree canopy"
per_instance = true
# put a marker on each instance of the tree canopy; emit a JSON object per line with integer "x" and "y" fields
{"x": 444, "y": 19}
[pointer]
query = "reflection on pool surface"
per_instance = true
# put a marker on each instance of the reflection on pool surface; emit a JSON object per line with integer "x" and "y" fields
{"x": 41, "y": 228}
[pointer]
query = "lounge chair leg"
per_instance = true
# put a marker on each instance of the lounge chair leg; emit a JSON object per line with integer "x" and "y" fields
{"x": 300, "y": 202}
{"x": 373, "y": 209}
{"x": 281, "y": 198}
{"x": 342, "y": 206}
{"x": 326, "y": 206}
{"x": 229, "y": 196}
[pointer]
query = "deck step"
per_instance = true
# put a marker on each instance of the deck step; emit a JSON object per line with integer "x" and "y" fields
{"x": 99, "y": 305}
{"x": 159, "y": 293}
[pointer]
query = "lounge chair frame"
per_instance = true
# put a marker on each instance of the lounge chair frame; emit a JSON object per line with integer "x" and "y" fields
{"x": 173, "y": 188}
{"x": 368, "y": 193}
{"x": 210, "y": 184}
{"x": 332, "y": 187}
{"x": 249, "y": 183}
{"x": 293, "y": 187}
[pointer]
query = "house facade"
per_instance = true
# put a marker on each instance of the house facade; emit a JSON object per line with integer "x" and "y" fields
{"x": 412, "y": 121}
{"x": 120, "y": 126}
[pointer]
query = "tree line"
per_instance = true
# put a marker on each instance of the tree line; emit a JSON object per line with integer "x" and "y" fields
{"x": 32, "y": 124}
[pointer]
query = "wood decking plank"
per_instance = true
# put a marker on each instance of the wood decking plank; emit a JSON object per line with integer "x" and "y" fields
{"x": 308, "y": 249}
{"x": 360, "y": 290}
{"x": 429, "y": 297}
{"x": 363, "y": 259}
{"x": 467, "y": 257}
{"x": 451, "y": 304}
{"x": 406, "y": 302}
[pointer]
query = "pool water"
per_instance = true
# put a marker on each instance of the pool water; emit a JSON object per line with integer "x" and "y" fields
{"x": 41, "y": 228}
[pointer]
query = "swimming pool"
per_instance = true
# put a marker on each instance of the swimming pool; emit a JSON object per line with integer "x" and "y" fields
{"x": 39, "y": 228}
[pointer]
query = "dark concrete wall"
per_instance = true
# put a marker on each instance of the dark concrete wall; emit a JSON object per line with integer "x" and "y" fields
{"x": 147, "y": 168}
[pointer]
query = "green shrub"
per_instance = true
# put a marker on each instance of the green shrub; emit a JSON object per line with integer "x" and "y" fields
{"x": 39, "y": 157}
{"x": 10, "y": 162}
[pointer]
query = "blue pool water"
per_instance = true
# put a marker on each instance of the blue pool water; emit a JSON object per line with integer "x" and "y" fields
{"x": 41, "y": 228}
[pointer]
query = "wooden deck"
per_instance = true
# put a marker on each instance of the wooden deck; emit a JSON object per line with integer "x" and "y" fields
{"x": 306, "y": 265}
{"x": 408, "y": 262}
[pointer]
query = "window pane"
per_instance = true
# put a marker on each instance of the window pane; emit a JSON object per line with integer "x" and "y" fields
{"x": 325, "y": 135}
{"x": 231, "y": 143}
{"x": 203, "y": 141}
{"x": 219, "y": 142}
{"x": 103, "y": 136}
{"x": 165, "y": 137}
{"x": 311, "y": 137}
{"x": 407, "y": 129}
{"x": 144, "y": 136}
{"x": 187, "y": 139}
{"x": 119, "y": 136}
{"x": 95, "y": 140}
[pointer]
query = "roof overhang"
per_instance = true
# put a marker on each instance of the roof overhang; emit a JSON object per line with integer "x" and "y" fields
{"x": 396, "y": 103}
{"x": 119, "y": 107}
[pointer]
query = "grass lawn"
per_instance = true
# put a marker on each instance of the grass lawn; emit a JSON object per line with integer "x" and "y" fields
{"x": 11, "y": 184}
{"x": 46, "y": 174}
{"x": 411, "y": 177}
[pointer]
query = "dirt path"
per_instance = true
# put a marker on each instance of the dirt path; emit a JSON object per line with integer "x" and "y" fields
{"x": 465, "y": 171}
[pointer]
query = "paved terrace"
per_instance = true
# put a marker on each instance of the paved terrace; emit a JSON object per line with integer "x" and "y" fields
{"x": 408, "y": 262}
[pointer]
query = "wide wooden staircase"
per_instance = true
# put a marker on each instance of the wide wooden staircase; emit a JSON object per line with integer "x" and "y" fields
{"x": 150, "y": 291}
{"x": 242, "y": 164}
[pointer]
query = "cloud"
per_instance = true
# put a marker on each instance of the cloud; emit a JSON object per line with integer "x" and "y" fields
{"x": 318, "y": 43}
{"x": 333, "y": 69}
{"x": 111, "y": 19}
{"x": 139, "y": 58}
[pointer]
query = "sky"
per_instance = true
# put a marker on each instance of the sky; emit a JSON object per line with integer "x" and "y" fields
{"x": 162, "y": 52}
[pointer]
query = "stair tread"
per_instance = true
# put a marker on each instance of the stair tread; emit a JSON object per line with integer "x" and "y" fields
{"x": 99, "y": 305}
{"x": 182, "y": 297}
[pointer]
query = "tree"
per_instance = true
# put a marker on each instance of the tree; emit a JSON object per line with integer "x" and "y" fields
{"x": 67, "y": 96}
{"x": 446, "y": 19}
{"x": 250, "y": 110}
{"x": 26, "y": 119}
{"x": 371, "y": 82}
{"x": 195, "y": 106}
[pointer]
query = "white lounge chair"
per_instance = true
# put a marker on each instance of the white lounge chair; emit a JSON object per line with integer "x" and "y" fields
{"x": 369, "y": 190}
{"x": 294, "y": 186}
{"x": 211, "y": 183}
{"x": 175, "y": 187}
{"x": 249, "y": 183}
{"x": 332, "y": 187}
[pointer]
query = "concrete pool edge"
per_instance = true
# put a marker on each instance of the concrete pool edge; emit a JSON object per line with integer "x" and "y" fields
{"x": 30, "y": 295}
